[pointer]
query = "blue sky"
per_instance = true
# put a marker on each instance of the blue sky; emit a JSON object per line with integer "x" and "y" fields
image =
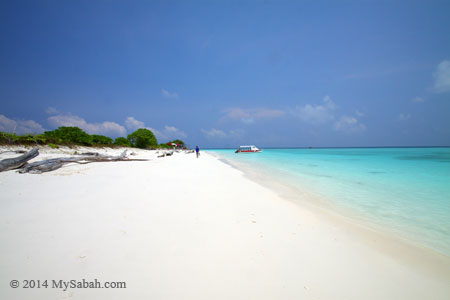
{"x": 225, "y": 73}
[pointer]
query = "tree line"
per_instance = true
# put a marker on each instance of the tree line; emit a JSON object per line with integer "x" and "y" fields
{"x": 68, "y": 136}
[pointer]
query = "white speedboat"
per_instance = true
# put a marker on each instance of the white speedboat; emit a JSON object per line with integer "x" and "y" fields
{"x": 247, "y": 149}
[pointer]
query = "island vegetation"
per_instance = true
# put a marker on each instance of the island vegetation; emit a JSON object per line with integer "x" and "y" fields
{"x": 74, "y": 136}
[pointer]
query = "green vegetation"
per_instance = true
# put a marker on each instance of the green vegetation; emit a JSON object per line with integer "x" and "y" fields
{"x": 142, "y": 138}
{"x": 8, "y": 138}
{"x": 178, "y": 142}
{"x": 121, "y": 141}
{"x": 53, "y": 146}
{"x": 169, "y": 146}
{"x": 166, "y": 146}
{"x": 101, "y": 140}
{"x": 70, "y": 136}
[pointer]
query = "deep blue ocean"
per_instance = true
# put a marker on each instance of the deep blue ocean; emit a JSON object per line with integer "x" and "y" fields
{"x": 403, "y": 190}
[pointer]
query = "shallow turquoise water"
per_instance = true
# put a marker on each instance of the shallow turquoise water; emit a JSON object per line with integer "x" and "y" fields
{"x": 405, "y": 190}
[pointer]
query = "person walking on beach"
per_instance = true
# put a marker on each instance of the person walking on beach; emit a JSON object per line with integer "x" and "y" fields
{"x": 197, "y": 151}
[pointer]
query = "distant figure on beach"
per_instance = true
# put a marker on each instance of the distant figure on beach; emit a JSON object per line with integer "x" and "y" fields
{"x": 197, "y": 151}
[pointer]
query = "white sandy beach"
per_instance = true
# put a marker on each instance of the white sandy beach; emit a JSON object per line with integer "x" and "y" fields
{"x": 184, "y": 228}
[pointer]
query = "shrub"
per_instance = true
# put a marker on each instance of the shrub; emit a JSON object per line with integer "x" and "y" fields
{"x": 41, "y": 139}
{"x": 166, "y": 146}
{"x": 26, "y": 139}
{"x": 178, "y": 142}
{"x": 101, "y": 140}
{"x": 142, "y": 138}
{"x": 8, "y": 138}
{"x": 69, "y": 135}
{"x": 121, "y": 141}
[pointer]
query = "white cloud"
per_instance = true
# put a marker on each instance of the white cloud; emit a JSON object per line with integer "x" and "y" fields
{"x": 168, "y": 94}
{"x": 248, "y": 120}
{"x": 360, "y": 114}
{"x": 51, "y": 111}
{"x": 442, "y": 77}
{"x": 418, "y": 100}
{"x": 404, "y": 116}
{"x": 20, "y": 126}
{"x": 133, "y": 124}
{"x": 316, "y": 114}
{"x": 349, "y": 124}
{"x": 167, "y": 133}
{"x": 236, "y": 132}
{"x": 159, "y": 135}
{"x": 172, "y": 132}
{"x": 249, "y": 116}
{"x": 237, "y": 113}
{"x": 105, "y": 128}
{"x": 214, "y": 133}
{"x": 266, "y": 113}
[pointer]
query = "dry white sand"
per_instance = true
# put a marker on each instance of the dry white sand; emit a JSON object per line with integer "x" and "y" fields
{"x": 185, "y": 228}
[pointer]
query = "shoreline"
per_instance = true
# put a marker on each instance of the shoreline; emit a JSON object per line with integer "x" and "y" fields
{"x": 179, "y": 227}
{"x": 389, "y": 242}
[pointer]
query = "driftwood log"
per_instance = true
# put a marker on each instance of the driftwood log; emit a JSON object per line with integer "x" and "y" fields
{"x": 17, "y": 162}
{"x": 14, "y": 151}
{"x": 55, "y": 163}
{"x": 163, "y": 154}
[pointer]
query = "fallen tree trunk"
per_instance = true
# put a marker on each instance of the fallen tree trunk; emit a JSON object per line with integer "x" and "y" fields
{"x": 56, "y": 163}
{"x": 47, "y": 165}
{"x": 51, "y": 166}
{"x": 17, "y": 162}
{"x": 14, "y": 151}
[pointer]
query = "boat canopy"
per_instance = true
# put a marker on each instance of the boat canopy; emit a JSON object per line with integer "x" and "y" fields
{"x": 248, "y": 148}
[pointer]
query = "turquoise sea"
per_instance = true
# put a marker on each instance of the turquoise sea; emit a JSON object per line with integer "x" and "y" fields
{"x": 403, "y": 190}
